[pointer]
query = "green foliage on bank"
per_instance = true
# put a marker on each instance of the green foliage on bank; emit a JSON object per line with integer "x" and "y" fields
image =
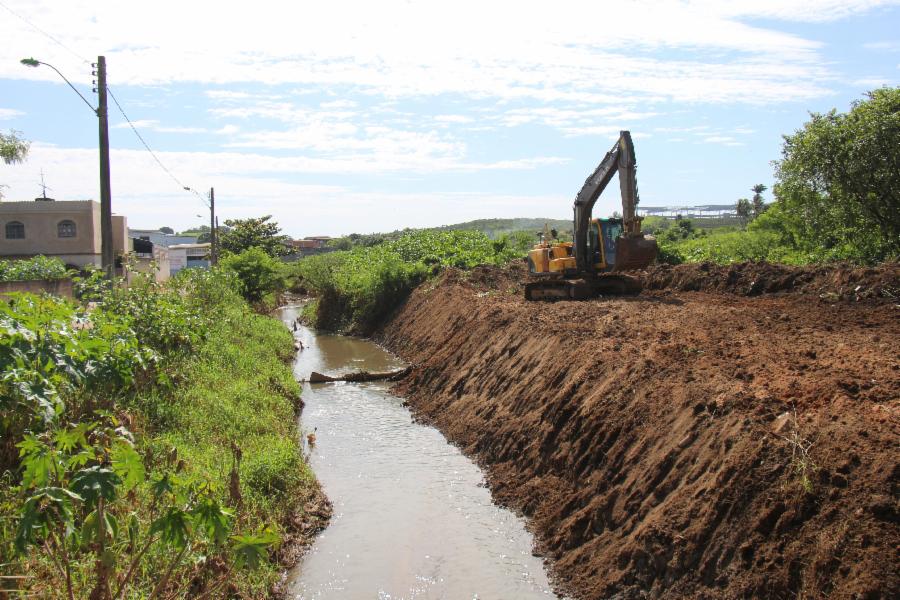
{"x": 39, "y": 267}
{"x": 148, "y": 444}
{"x": 837, "y": 197}
{"x": 258, "y": 273}
{"x": 839, "y": 180}
{"x": 356, "y": 289}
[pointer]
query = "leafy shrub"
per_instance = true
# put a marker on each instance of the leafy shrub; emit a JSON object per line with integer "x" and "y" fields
{"x": 259, "y": 274}
{"x": 52, "y": 355}
{"x": 85, "y": 503}
{"x": 39, "y": 267}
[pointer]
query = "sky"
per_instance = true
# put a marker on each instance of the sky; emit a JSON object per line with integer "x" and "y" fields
{"x": 339, "y": 117}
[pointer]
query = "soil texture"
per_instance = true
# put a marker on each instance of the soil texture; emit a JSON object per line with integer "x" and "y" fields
{"x": 732, "y": 432}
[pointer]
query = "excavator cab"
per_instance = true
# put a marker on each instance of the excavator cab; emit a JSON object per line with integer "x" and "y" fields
{"x": 602, "y": 236}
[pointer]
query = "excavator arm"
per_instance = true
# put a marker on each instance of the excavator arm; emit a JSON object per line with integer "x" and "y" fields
{"x": 633, "y": 251}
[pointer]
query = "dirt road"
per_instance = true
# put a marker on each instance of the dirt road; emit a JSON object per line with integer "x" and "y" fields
{"x": 724, "y": 443}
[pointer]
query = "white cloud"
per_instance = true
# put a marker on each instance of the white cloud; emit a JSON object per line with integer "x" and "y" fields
{"x": 155, "y": 125}
{"x": 567, "y": 51}
{"x": 722, "y": 139}
{"x": 250, "y": 185}
{"x": 811, "y": 11}
{"x": 872, "y": 82}
{"x": 453, "y": 119}
{"x": 887, "y": 45}
{"x": 10, "y": 113}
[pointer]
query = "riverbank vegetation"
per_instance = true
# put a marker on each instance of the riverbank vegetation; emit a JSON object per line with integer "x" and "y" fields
{"x": 148, "y": 443}
{"x": 355, "y": 289}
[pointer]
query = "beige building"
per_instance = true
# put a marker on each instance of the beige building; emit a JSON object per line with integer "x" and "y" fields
{"x": 188, "y": 256}
{"x": 68, "y": 230}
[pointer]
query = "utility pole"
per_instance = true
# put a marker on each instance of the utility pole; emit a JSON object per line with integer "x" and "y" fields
{"x": 106, "y": 234}
{"x": 213, "y": 234}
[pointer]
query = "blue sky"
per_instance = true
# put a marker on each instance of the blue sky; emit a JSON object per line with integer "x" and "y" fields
{"x": 352, "y": 116}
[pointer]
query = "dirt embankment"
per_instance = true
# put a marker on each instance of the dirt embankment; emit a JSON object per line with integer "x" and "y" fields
{"x": 679, "y": 444}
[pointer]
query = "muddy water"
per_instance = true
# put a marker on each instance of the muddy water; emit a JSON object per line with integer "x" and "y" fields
{"x": 412, "y": 518}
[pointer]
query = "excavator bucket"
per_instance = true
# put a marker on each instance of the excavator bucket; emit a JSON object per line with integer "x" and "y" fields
{"x": 634, "y": 253}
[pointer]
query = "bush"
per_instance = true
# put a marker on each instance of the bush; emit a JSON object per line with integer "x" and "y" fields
{"x": 39, "y": 267}
{"x": 259, "y": 274}
{"x": 124, "y": 419}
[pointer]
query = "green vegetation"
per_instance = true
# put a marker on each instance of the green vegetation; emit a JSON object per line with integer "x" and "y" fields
{"x": 148, "y": 445}
{"x": 258, "y": 273}
{"x": 39, "y": 267}
{"x": 13, "y": 149}
{"x": 494, "y": 229}
{"x": 837, "y": 190}
{"x": 357, "y": 288}
{"x": 839, "y": 181}
{"x": 243, "y": 234}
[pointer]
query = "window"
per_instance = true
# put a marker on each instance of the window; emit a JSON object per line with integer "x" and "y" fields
{"x": 15, "y": 230}
{"x": 65, "y": 229}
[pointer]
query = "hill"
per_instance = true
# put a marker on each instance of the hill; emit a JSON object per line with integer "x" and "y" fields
{"x": 494, "y": 228}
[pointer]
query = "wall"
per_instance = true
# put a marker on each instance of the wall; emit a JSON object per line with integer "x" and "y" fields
{"x": 158, "y": 238}
{"x": 59, "y": 287}
{"x": 121, "y": 241}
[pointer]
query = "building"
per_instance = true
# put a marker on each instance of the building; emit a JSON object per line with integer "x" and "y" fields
{"x": 310, "y": 243}
{"x": 68, "y": 230}
{"x": 158, "y": 238}
{"x": 187, "y": 256}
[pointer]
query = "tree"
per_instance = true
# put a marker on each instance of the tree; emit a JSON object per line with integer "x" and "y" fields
{"x": 248, "y": 233}
{"x": 759, "y": 205}
{"x": 839, "y": 180}
{"x": 13, "y": 149}
{"x": 744, "y": 210}
{"x": 257, "y": 271}
{"x": 168, "y": 230}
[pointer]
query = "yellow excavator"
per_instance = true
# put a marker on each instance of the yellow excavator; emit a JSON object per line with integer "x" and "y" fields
{"x": 591, "y": 264}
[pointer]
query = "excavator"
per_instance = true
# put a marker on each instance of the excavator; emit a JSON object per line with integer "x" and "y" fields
{"x": 591, "y": 264}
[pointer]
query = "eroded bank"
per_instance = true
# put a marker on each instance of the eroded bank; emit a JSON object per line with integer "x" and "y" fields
{"x": 676, "y": 444}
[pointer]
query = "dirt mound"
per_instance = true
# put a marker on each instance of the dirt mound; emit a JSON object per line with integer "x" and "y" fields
{"x": 676, "y": 444}
{"x": 752, "y": 279}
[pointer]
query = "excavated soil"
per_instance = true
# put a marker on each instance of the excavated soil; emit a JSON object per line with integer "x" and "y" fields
{"x": 736, "y": 441}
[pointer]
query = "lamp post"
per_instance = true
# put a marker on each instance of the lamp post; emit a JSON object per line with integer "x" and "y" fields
{"x": 106, "y": 237}
{"x": 213, "y": 224}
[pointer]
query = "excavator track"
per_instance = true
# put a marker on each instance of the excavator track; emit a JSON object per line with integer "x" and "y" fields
{"x": 612, "y": 284}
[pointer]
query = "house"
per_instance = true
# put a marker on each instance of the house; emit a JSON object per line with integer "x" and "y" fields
{"x": 186, "y": 256}
{"x": 68, "y": 230}
{"x": 158, "y": 238}
{"x": 310, "y": 243}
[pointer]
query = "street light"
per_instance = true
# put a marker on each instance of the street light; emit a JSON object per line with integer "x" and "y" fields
{"x": 213, "y": 227}
{"x": 106, "y": 237}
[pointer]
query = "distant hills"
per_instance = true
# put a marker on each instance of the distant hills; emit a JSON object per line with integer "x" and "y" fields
{"x": 494, "y": 228}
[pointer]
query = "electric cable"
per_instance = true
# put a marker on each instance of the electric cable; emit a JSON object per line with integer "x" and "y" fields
{"x": 115, "y": 100}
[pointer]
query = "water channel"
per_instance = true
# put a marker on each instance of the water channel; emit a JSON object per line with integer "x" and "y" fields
{"x": 412, "y": 518}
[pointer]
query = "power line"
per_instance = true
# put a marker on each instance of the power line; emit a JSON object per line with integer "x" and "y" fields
{"x": 152, "y": 153}
{"x": 115, "y": 100}
{"x": 45, "y": 34}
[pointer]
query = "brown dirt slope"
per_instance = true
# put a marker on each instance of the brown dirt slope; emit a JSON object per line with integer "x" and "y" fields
{"x": 677, "y": 444}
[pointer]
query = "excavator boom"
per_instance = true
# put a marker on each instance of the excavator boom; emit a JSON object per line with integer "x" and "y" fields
{"x": 631, "y": 254}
